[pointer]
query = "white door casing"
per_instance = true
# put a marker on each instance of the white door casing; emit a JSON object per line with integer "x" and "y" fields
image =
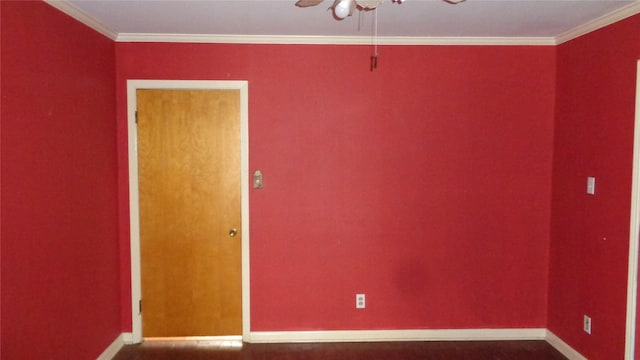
{"x": 132, "y": 87}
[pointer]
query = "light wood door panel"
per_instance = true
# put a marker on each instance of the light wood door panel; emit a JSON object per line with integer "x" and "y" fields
{"x": 189, "y": 185}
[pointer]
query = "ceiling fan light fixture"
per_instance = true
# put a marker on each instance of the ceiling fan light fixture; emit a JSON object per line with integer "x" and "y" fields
{"x": 343, "y": 8}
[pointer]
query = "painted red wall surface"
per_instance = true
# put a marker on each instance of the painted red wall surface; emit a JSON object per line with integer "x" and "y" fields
{"x": 0, "y": 184}
{"x": 60, "y": 258}
{"x": 425, "y": 184}
{"x": 590, "y": 233}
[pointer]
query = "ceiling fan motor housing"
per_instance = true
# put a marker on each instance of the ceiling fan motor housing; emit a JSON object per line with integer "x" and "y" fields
{"x": 368, "y": 4}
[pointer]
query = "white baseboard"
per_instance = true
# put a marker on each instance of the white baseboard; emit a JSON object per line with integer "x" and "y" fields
{"x": 127, "y": 338}
{"x": 112, "y": 349}
{"x": 396, "y": 335}
{"x": 563, "y": 347}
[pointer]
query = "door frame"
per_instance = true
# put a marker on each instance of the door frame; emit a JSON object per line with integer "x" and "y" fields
{"x": 634, "y": 233}
{"x": 134, "y": 212}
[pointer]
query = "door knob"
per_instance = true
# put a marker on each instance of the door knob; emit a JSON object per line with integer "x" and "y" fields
{"x": 233, "y": 232}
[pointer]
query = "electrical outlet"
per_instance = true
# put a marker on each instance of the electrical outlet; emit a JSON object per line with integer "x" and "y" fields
{"x": 591, "y": 185}
{"x": 586, "y": 325}
{"x": 360, "y": 304}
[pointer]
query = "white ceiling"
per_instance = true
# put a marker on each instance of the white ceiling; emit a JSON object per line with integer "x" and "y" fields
{"x": 548, "y": 19}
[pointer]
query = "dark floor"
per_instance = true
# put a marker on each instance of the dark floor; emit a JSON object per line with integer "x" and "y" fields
{"x": 440, "y": 350}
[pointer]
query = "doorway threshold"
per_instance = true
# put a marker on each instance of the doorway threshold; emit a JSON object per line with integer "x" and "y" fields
{"x": 221, "y": 342}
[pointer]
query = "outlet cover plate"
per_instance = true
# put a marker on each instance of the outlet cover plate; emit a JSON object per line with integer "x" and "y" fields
{"x": 586, "y": 326}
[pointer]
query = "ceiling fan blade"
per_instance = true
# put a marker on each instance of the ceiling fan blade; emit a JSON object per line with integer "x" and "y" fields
{"x": 306, "y": 3}
{"x": 453, "y": 1}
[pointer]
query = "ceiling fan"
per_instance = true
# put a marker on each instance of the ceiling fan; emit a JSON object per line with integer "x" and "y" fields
{"x": 343, "y": 8}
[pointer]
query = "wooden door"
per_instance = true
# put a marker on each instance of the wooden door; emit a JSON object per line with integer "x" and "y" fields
{"x": 189, "y": 185}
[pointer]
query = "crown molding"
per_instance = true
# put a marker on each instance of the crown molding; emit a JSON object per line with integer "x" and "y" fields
{"x": 334, "y": 40}
{"x": 598, "y": 23}
{"x": 615, "y": 16}
{"x": 67, "y": 8}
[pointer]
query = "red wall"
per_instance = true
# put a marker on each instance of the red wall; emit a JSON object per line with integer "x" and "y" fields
{"x": 0, "y": 184}
{"x": 590, "y": 233}
{"x": 60, "y": 259}
{"x": 425, "y": 184}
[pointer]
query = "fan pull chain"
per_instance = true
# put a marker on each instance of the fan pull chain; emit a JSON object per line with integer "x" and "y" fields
{"x": 374, "y": 57}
